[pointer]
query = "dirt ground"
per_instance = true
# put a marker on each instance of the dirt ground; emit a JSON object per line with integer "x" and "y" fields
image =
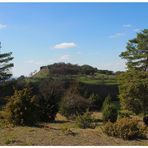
{"x": 62, "y": 132}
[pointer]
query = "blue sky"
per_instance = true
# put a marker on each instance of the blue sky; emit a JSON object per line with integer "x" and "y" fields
{"x": 80, "y": 33}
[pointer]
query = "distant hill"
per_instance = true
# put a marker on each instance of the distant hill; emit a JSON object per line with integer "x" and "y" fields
{"x": 69, "y": 69}
{"x": 84, "y": 73}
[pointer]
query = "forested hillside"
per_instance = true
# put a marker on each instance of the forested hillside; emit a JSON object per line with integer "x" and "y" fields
{"x": 84, "y": 73}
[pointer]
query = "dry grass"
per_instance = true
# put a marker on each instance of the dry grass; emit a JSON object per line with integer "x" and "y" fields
{"x": 62, "y": 132}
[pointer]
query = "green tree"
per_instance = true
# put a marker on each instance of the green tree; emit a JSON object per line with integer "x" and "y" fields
{"x": 133, "y": 88}
{"x": 50, "y": 92}
{"x": 137, "y": 52}
{"x": 134, "y": 82}
{"x": 109, "y": 111}
{"x": 5, "y": 66}
{"x": 73, "y": 103}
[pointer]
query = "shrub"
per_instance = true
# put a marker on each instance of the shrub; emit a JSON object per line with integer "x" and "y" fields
{"x": 137, "y": 106}
{"x": 85, "y": 121}
{"x": 50, "y": 95}
{"x": 125, "y": 128}
{"x": 110, "y": 112}
{"x": 72, "y": 104}
{"x": 48, "y": 108}
{"x": 96, "y": 101}
{"x": 68, "y": 131}
{"x": 2, "y": 114}
{"x": 124, "y": 114}
{"x": 109, "y": 129}
{"x": 107, "y": 101}
{"x": 22, "y": 108}
{"x": 10, "y": 140}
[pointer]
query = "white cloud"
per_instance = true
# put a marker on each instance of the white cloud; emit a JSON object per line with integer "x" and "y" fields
{"x": 65, "y": 45}
{"x": 127, "y": 25}
{"x": 117, "y": 35}
{"x": 2, "y": 26}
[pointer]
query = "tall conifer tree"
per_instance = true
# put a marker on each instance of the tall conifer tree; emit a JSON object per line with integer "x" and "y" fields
{"x": 137, "y": 52}
{"x": 5, "y": 65}
{"x": 134, "y": 82}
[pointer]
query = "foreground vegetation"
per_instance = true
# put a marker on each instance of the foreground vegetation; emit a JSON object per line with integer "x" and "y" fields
{"x": 62, "y": 132}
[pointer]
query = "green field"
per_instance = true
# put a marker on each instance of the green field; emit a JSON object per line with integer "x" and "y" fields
{"x": 97, "y": 78}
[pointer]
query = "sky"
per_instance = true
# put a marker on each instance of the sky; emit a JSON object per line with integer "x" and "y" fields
{"x": 40, "y": 34}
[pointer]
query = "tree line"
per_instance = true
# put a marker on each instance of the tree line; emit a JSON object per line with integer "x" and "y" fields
{"x": 73, "y": 69}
